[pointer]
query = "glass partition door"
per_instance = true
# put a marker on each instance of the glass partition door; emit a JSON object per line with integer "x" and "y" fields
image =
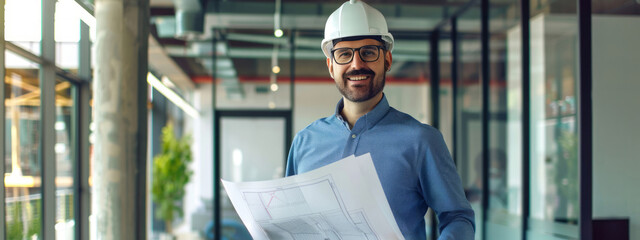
{"x": 504, "y": 211}
{"x": 554, "y": 136}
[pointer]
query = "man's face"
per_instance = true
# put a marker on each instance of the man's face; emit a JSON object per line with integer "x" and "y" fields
{"x": 359, "y": 81}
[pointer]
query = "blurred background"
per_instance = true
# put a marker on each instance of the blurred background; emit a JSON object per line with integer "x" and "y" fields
{"x": 505, "y": 81}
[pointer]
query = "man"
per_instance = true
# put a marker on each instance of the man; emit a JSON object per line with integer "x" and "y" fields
{"x": 412, "y": 161}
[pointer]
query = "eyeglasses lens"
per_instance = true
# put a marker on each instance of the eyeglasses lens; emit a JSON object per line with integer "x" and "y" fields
{"x": 345, "y": 55}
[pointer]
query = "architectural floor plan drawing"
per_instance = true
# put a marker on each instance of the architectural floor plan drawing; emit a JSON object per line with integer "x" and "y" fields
{"x": 310, "y": 210}
{"x": 343, "y": 200}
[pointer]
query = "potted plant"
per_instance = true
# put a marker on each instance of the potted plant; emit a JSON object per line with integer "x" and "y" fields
{"x": 170, "y": 175}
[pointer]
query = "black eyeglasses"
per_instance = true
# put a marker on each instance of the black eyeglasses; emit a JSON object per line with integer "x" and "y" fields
{"x": 368, "y": 53}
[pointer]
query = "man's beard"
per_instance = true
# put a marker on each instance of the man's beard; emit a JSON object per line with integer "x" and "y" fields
{"x": 373, "y": 88}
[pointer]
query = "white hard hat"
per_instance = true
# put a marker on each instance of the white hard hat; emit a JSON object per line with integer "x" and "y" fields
{"x": 355, "y": 18}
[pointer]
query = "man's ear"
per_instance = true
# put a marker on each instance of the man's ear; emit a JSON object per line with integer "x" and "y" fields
{"x": 330, "y": 66}
{"x": 388, "y": 60}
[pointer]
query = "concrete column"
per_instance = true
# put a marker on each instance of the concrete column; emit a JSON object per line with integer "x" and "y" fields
{"x": 119, "y": 167}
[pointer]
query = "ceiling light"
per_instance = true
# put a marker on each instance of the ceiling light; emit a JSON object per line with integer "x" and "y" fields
{"x": 278, "y": 33}
{"x": 172, "y": 96}
{"x": 275, "y": 69}
{"x": 274, "y": 87}
{"x": 277, "y": 30}
{"x": 167, "y": 82}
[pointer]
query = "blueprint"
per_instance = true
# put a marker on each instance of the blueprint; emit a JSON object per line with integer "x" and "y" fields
{"x": 343, "y": 200}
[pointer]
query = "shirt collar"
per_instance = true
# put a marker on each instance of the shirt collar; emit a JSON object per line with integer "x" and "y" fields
{"x": 371, "y": 118}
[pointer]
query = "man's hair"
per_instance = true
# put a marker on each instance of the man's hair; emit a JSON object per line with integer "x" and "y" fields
{"x": 355, "y": 38}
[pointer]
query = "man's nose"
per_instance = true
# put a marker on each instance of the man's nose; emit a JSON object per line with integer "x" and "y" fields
{"x": 357, "y": 62}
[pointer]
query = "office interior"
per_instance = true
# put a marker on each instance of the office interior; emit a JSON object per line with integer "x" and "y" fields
{"x": 535, "y": 99}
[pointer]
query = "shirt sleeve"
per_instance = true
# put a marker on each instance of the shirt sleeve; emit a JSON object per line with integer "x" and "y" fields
{"x": 443, "y": 192}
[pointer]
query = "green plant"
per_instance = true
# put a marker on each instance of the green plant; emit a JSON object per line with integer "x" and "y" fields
{"x": 567, "y": 177}
{"x": 170, "y": 175}
{"x": 15, "y": 229}
{"x": 34, "y": 223}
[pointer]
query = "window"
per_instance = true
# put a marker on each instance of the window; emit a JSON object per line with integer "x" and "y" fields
{"x": 22, "y": 140}
{"x": 67, "y": 35}
{"x": 23, "y": 24}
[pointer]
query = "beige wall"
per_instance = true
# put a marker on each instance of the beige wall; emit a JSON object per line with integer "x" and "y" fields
{"x": 616, "y": 115}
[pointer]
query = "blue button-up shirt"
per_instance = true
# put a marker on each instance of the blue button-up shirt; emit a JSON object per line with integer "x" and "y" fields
{"x": 412, "y": 161}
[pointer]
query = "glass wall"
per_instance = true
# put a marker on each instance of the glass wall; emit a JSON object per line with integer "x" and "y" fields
{"x": 504, "y": 215}
{"x": 554, "y": 185}
{"x": 23, "y": 169}
{"x": 469, "y": 109}
{"x": 23, "y": 114}
{"x": 65, "y": 165}
{"x": 22, "y": 141}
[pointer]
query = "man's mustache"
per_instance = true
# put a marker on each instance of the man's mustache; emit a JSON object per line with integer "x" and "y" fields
{"x": 359, "y": 72}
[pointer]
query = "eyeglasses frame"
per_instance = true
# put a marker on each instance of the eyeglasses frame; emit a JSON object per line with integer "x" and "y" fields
{"x": 357, "y": 49}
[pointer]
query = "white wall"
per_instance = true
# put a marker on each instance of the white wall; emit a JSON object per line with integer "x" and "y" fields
{"x": 616, "y": 115}
{"x": 199, "y": 190}
{"x": 318, "y": 100}
{"x": 253, "y": 99}
{"x": 313, "y": 101}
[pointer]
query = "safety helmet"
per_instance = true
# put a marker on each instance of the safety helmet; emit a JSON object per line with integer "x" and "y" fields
{"x": 355, "y": 18}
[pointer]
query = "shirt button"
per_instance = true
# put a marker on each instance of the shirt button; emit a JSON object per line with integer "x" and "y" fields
{"x": 353, "y": 136}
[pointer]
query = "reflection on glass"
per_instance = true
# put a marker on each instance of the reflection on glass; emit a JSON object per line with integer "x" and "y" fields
{"x": 554, "y": 158}
{"x": 23, "y": 170}
{"x": 469, "y": 109}
{"x": 505, "y": 155}
{"x": 252, "y": 149}
{"x": 23, "y": 23}
{"x": 65, "y": 222}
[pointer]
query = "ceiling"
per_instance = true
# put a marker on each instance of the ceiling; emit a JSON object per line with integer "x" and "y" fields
{"x": 246, "y": 44}
{"x": 181, "y": 42}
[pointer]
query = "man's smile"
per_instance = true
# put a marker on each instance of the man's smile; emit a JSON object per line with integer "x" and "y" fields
{"x": 358, "y": 78}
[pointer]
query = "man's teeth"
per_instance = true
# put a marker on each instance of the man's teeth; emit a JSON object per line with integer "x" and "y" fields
{"x": 358, "y": 78}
